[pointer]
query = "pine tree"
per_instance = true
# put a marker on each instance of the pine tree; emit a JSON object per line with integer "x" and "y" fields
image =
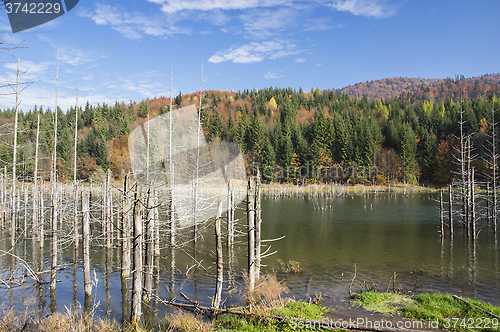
{"x": 216, "y": 125}
{"x": 256, "y": 139}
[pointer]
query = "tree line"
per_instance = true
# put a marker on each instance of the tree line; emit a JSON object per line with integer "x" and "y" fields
{"x": 410, "y": 138}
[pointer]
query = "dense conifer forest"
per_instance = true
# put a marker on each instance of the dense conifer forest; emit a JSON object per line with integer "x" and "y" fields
{"x": 408, "y": 138}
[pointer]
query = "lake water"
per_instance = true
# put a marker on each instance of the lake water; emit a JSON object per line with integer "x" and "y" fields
{"x": 381, "y": 234}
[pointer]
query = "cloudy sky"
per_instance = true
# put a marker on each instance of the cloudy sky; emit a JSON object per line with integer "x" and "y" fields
{"x": 125, "y": 50}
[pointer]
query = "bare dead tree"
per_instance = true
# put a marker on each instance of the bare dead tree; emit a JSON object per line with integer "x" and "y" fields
{"x": 251, "y": 233}
{"x": 492, "y": 161}
{"x": 35, "y": 220}
{"x": 86, "y": 242}
{"x": 137, "y": 249}
{"x": 14, "y": 159}
{"x": 148, "y": 271}
{"x": 75, "y": 214}
{"x": 219, "y": 261}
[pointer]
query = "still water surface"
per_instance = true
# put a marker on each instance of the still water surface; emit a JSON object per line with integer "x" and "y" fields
{"x": 382, "y": 235}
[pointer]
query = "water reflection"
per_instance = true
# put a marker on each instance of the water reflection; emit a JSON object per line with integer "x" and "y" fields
{"x": 393, "y": 234}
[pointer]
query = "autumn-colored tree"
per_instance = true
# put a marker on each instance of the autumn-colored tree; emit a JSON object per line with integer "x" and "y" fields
{"x": 443, "y": 163}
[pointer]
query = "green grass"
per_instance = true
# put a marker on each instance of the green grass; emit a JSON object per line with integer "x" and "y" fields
{"x": 293, "y": 309}
{"x": 451, "y": 313}
{"x": 301, "y": 310}
{"x": 385, "y": 303}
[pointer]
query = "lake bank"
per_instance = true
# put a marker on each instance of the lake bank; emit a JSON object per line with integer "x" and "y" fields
{"x": 335, "y": 189}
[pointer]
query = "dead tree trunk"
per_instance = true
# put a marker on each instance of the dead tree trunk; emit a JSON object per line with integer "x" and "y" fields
{"x": 258, "y": 224}
{"x": 2, "y": 202}
{"x": 171, "y": 219}
{"x": 35, "y": 221}
{"x": 13, "y": 220}
{"x": 75, "y": 216}
{"x": 6, "y": 210}
{"x": 171, "y": 169}
{"x": 86, "y": 242}
{"x": 230, "y": 237}
{"x": 494, "y": 164}
{"x": 53, "y": 273}
{"x": 126, "y": 209}
{"x": 148, "y": 272}
{"x": 156, "y": 224}
{"x": 251, "y": 233}
{"x": 111, "y": 214}
{"x": 125, "y": 235}
{"x": 220, "y": 264}
{"x": 473, "y": 206}
{"x": 230, "y": 215}
{"x": 488, "y": 210}
{"x": 41, "y": 219}
{"x": 25, "y": 231}
{"x": 469, "y": 188}
{"x": 450, "y": 208}
{"x": 441, "y": 212}
{"x": 137, "y": 248}
{"x": 105, "y": 212}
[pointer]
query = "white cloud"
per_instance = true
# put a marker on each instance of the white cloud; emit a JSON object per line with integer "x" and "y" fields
{"x": 258, "y": 18}
{"x": 271, "y": 75}
{"x": 131, "y": 25}
{"x": 5, "y": 26}
{"x": 256, "y": 52}
{"x": 321, "y": 24}
{"x": 75, "y": 56}
{"x": 215, "y": 17}
{"x": 29, "y": 71}
{"x": 9, "y": 39}
{"x": 265, "y": 23}
{"x": 173, "y": 6}
{"x": 301, "y": 60}
{"x": 368, "y": 8}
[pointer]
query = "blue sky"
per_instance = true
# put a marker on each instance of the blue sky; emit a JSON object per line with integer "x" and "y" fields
{"x": 125, "y": 50}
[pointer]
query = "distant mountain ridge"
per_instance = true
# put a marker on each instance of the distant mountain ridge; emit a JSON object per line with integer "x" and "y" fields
{"x": 389, "y": 88}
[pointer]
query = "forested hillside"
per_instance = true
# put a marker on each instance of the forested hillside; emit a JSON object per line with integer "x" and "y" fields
{"x": 410, "y": 137}
{"x": 389, "y": 88}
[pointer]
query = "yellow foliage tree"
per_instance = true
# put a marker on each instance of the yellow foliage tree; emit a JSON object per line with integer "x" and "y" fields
{"x": 483, "y": 125}
{"x": 272, "y": 104}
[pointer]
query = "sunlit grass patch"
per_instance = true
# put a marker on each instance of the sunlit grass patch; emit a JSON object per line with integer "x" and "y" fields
{"x": 385, "y": 303}
{"x": 292, "y": 309}
{"x": 301, "y": 310}
{"x": 454, "y": 314}
{"x": 451, "y": 313}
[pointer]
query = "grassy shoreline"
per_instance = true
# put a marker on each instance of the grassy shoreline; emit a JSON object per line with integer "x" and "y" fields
{"x": 321, "y": 188}
{"x": 450, "y": 312}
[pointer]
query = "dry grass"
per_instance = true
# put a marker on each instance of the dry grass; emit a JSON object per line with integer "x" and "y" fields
{"x": 186, "y": 322}
{"x": 70, "y": 321}
{"x": 290, "y": 267}
{"x": 11, "y": 322}
{"x": 267, "y": 294}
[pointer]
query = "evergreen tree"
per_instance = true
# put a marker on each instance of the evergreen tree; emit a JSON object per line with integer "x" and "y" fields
{"x": 178, "y": 100}
{"x": 407, "y": 151}
{"x": 216, "y": 125}
{"x": 143, "y": 109}
{"x": 241, "y": 133}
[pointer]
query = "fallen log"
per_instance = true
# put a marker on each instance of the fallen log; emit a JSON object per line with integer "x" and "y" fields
{"x": 475, "y": 306}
